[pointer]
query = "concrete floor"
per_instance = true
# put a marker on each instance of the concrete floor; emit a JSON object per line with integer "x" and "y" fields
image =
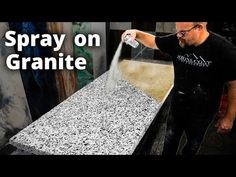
{"x": 213, "y": 144}
{"x": 218, "y": 144}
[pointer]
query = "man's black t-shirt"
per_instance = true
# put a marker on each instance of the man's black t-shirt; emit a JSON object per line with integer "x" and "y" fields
{"x": 200, "y": 72}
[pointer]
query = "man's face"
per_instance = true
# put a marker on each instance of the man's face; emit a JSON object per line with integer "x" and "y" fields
{"x": 186, "y": 33}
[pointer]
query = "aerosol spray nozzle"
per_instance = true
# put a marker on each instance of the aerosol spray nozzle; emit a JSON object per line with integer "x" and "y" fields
{"x": 132, "y": 42}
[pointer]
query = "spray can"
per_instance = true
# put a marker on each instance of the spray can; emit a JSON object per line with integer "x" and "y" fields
{"x": 133, "y": 43}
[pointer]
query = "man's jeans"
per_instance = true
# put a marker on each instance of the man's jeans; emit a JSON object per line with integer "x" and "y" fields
{"x": 184, "y": 116}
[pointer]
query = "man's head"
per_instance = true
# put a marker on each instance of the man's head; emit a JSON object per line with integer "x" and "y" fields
{"x": 191, "y": 33}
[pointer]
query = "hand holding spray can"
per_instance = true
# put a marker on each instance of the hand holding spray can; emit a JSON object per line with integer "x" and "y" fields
{"x": 132, "y": 42}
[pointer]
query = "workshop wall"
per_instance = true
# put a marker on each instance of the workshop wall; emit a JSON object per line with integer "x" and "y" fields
{"x": 14, "y": 110}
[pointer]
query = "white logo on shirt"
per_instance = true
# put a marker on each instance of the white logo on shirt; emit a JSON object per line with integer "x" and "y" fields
{"x": 194, "y": 60}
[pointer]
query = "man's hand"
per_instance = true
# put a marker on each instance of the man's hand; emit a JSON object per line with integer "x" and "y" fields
{"x": 147, "y": 39}
{"x": 131, "y": 32}
{"x": 224, "y": 125}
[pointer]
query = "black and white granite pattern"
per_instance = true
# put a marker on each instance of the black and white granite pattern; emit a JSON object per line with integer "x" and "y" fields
{"x": 92, "y": 122}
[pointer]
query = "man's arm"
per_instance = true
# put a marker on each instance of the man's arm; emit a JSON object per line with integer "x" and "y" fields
{"x": 146, "y": 39}
{"x": 225, "y": 123}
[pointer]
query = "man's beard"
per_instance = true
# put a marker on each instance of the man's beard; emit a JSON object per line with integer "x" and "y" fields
{"x": 181, "y": 44}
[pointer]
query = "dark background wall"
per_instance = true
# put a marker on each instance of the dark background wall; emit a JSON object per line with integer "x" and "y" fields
{"x": 226, "y": 29}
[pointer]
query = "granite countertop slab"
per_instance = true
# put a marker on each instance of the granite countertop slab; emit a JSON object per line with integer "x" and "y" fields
{"x": 92, "y": 122}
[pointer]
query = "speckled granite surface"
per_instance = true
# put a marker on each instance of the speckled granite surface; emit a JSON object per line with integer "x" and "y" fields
{"x": 92, "y": 122}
